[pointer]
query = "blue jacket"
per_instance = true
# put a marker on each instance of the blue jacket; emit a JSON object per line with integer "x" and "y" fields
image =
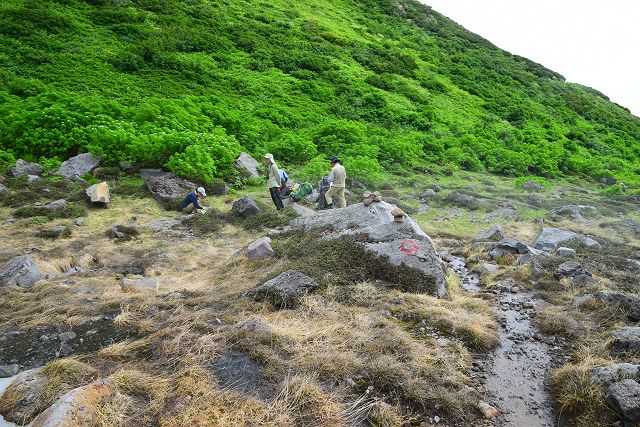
{"x": 191, "y": 198}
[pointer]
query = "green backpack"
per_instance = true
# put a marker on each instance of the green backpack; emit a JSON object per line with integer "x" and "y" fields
{"x": 304, "y": 190}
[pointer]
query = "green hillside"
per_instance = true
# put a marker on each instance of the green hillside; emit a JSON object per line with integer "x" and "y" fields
{"x": 390, "y": 86}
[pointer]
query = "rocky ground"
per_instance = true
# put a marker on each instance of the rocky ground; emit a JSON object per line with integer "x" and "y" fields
{"x": 493, "y": 302}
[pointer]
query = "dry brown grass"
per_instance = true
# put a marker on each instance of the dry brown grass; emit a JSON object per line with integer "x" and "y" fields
{"x": 558, "y": 320}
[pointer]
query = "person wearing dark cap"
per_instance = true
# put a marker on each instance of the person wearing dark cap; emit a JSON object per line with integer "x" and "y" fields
{"x": 337, "y": 179}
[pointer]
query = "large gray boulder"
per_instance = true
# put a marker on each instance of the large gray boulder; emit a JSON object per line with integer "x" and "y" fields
{"x": 550, "y": 238}
{"x": 246, "y": 207}
{"x": 626, "y": 340}
{"x": 23, "y": 168}
{"x": 168, "y": 188}
{"x": 399, "y": 244}
{"x": 21, "y": 271}
{"x": 606, "y": 375}
{"x": 629, "y": 304}
{"x": 79, "y": 165}
{"x": 286, "y": 290}
{"x": 98, "y": 194}
{"x": 247, "y": 164}
{"x": 260, "y": 249}
{"x": 624, "y": 398}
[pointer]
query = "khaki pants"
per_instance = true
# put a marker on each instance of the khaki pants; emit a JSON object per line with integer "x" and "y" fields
{"x": 338, "y": 193}
{"x": 189, "y": 208}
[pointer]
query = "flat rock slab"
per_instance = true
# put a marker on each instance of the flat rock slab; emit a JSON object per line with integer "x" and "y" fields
{"x": 286, "y": 290}
{"x": 237, "y": 371}
{"x": 77, "y": 408}
{"x": 79, "y": 165}
{"x": 21, "y": 271}
{"x": 550, "y": 238}
{"x": 402, "y": 245}
{"x": 140, "y": 284}
{"x": 56, "y": 205}
{"x": 494, "y": 233}
{"x": 55, "y": 232}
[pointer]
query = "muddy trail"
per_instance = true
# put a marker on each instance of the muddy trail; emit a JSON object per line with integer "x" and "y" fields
{"x": 514, "y": 375}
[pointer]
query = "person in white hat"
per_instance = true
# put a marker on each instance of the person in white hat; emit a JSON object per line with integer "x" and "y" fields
{"x": 191, "y": 204}
{"x": 274, "y": 181}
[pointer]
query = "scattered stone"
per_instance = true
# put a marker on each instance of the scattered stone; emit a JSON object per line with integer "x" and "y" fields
{"x": 488, "y": 411}
{"x": 350, "y": 383}
{"x": 7, "y": 371}
{"x": 550, "y": 238}
{"x": 313, "y": 197}
{"x": 21, "y": 271}
{"x": 67, "y": 336}
{"x": 247, "y": 164}
{"x": 624, "y": 398}
{"x": 147, "y": 173}
{"x": 494, "y": 233}
{"x": 79, "y": 407}
{"x": 630, "y": 304}
{"x": 626, "y": 340}
{"x": 302, "y": 211}
{"x": 429, "y": 194}
{"x": 569, "y": 269}
{"x": 256, "y": 327}
{"x": 461, "y": 199}
{"x": 3, "y": 190}
{"x": 168, "y": 189}
{"x": 581, "y": 300}
{"x": 487, "y": 268}
{"x": 126, "y": 167}
{"x": 57, "y": 205}
{"x": 79, "y": 222}
{"x": 75, "y": 167}
{"x": 32, "y": 178}
{"x": 285, "y": 290}
{"x": 633, "y": 263}
{"x": 566, "y": 252}
{"x": 27, "y": 387}
{"x": 55, "y": 232}
{"x": 606, "y": 375}
{"x": 246, "y": 207}
{"x": 260, "y": 249}
{"x": 535, "y": 200}
{"x": 23, "y": 168}
{"x": 99, "y": 194}
{"x": 123, "y": 232}
{"x": 161, "y": 225}
{"x": 532, "y": 186}
{"x": 574, "y": 211}
{"x": 138, "y": 283}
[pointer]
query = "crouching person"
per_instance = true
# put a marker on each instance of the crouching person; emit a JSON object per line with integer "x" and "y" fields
{"x": 191, "y": 203}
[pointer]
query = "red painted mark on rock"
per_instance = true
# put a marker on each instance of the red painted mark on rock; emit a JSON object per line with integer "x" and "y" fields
{"x": 409, "y": 247}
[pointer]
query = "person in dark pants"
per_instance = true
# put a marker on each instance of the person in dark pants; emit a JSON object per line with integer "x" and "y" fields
{"x": 191, "y": 204}
{"x": 274, "y": 181}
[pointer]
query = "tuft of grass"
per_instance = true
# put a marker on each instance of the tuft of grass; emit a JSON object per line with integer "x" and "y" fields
{"x": 129, "y": 188}
{"x": 576, "y": 395}
{"x": 555, "y": 320}
{"x": 203, "y": 224}
{"x": 269, "y": 217}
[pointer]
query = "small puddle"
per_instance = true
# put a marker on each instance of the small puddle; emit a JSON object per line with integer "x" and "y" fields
{"x": 515, "y": 373}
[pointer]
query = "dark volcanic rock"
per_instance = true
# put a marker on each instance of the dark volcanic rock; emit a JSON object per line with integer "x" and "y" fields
{"x": 626, "y": 340}
{"x": 624, "y": 398}
{"x": 168, "y": 189}
{"x": 630, "y": 304}
{"x": 246, "y": 207}
{"x": 55, "y": 232}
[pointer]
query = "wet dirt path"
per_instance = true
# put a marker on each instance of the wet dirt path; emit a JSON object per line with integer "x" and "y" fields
{"x": 515, "y": 374}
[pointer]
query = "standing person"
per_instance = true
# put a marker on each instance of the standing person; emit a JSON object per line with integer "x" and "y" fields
{"x": 274, "y": 182}
{"x": 191, "y": 203}
{"x": 337, "y": 179}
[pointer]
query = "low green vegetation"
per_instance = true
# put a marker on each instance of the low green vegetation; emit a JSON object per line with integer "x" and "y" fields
{"x": 392, "y": 87}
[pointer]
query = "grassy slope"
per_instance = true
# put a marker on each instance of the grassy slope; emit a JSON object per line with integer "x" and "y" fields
{"x": 384, "y": 84}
